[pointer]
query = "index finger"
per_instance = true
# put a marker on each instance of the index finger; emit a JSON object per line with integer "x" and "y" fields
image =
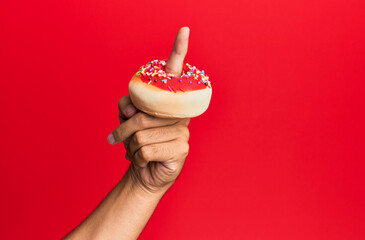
{"x": 136, "y": 123}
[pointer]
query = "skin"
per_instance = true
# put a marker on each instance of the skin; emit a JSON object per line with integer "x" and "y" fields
{"x": 157, "y": 149}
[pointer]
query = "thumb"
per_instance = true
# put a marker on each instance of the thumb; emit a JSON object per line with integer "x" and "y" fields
{"x": 175, "y": 62}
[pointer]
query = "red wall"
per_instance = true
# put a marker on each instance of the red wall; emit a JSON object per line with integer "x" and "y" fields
{"x": 278, "y": 155}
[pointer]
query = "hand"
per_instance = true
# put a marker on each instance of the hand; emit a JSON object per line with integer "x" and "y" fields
{"x": 156, "y": 147}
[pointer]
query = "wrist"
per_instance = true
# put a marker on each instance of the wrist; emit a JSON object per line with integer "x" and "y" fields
{"x": 138, "y": 188}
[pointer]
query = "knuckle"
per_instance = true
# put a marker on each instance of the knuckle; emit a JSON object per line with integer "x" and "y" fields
{"x": 179, "y": 52}
{"x": 184, "y": 132}
{"x": 142, "y": 120}
{"x": 185, "y": 149}
{"x": 145, "y": 153}
{"x": 118, "y": 133}
{"x": 140, "y": 162}
{"x": 139, "y": 138}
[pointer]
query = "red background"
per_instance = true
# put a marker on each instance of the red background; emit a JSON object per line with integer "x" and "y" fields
{"x": 278, "y": 155}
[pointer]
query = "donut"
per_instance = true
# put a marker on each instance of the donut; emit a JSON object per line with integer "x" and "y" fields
{"x": 166, "y": 95}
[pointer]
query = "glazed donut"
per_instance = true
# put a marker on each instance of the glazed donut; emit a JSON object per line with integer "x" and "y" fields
{"x": 166, "y": 95}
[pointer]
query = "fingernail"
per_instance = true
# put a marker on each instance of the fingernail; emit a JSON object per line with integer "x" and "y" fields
{"x": 111, "y": 138}
{"x": 129, "y": 110}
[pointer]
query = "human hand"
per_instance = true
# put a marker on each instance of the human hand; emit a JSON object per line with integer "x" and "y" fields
{"x": 156, "y": 147}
